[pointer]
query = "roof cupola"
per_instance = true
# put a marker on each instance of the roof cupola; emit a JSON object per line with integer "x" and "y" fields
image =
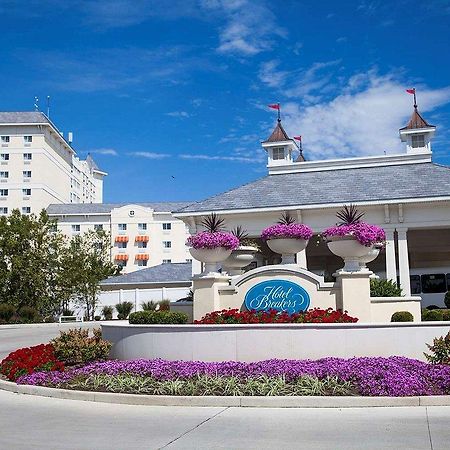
{"x": 279, "y": 147}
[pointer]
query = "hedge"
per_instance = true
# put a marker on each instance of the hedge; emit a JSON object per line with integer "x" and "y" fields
{"x": 157, "y": 317}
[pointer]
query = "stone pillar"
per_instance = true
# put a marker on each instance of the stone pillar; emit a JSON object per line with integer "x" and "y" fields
{"x": 301, "y": 259}
{"x": 403, "y": 261}
{"x": 136, "y": 299}
{"x": 391, "y": 264}
{"x": 206, "y": 294}
{"x": 196, "y": 267}
{"x": 354, "y": 293}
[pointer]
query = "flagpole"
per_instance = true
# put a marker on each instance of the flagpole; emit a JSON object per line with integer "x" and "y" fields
{"x": 415, "y": 101}
{"x": 279, "y": 112}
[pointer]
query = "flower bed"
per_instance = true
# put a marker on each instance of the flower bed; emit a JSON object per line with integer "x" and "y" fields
{"x": 287, "y": 231}
{"x": 207, "y": 239}
{"x": 364, "y": 233}
{"x": 316, "y": 315}
{"x": 28, "y": 360}
{"x": 393, "y": 376}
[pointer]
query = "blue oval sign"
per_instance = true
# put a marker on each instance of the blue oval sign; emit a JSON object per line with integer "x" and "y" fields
{"x": 281, "y": 295}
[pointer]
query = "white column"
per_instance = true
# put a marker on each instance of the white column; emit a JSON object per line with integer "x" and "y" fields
{"x": 301, "y": 259}
{"x": 391, "y": 269}
{"x": 121, "y": 296}
{"x": 136, "y": 299}
{"x": 403, "y": 261}
{"x": 196, "y": 267}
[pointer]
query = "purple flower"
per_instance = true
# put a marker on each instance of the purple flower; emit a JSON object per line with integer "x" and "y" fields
{"x": 365, "y": 233}
{"x": 393, "y": 376}
{"x": 206, "y": 239}
{"x": 289, "y": 231}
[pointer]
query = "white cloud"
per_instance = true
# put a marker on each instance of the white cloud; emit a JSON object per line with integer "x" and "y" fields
{"x": 179, "y": 114}
{"x": 150, "y": 155}
{"x": 362, "y": 120}
{"x": 218, "y": 158}
{"x": 105, "y": 151}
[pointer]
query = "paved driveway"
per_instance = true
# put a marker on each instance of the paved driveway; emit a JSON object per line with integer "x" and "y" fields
{"x": 13, "y": 337}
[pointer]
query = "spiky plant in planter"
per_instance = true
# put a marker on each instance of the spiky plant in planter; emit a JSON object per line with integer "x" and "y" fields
{"x": 349, "y": 215}
{"x": 212, "y": 245}
{"x": 287, "y": 237}
{"x": 243, "y": 255}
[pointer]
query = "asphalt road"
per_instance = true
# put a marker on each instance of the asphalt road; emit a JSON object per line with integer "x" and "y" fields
{"x": 32, "y": 422}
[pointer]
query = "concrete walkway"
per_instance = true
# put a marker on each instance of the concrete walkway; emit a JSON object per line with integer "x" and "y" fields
{"x": 44, "y": 423}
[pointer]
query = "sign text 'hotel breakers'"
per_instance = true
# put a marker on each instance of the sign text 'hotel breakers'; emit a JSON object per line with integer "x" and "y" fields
{"x": 281, "y": 295}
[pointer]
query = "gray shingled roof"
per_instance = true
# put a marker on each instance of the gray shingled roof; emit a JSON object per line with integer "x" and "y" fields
{"x": 105, "y": 208}
{"x": 164, "y": 273}
{"x": 23, "y": 117}
{"x": 334, "y": 186}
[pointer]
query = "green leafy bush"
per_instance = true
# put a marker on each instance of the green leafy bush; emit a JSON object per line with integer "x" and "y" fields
{"x": 384, "y": 288}
{"x": 164, "y": 305}
{"x": 149, "y": 306}
{"x": 75, "y": 346}
{"x": 440, "y": 350}
{"x": 402, "y": 316}
{"x": 430, "y": 307}
{"x": 157, "y": 317}
{"x": 430, "y": 315}
{"x": 447, "y": 299}
{"x": 124, "y": 309}
{"x": 446, "y": 315}
{"x": 68, "y": 312}
{"x": 107, "y": 312}
{"x": 28, "y": 314}
{"x": 6, "y": 312}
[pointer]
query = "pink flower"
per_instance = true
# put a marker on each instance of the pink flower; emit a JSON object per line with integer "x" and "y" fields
{"x": 206, "y": 239}
{"x": 365, "y": 233}
{"x": 288, "y": 231}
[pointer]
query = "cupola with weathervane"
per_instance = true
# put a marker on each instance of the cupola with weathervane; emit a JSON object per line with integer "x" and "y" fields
{"x": 279, "y": 146}
{"x": 418, "y": 132}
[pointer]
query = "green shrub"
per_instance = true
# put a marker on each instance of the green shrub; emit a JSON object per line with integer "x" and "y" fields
{"x": 157, "y": 317}
{"x": 68, "y": 312}
{"x": 124, "y": 309}
{"x": 430, "y": 315}
{"x": 28, "y": 314}
{"x": 447, "y": 299}
{"x": 97, "y": 318}
{"x": 402, "y": 316}
{"x": 384, "y": 288}
{"x": 164, "y": 305}
{"x": 431, "y": 307}
{"x": 149, "y": 306}
{"x": 107, "y": 312}
{"x": 75, "y": 346}
{"x": 440, "y": 350}
{"x": 6, "y": 312}
{"x": 446, "y": 314}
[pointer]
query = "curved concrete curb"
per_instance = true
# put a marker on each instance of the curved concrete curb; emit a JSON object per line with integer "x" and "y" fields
{"x": 262, "y": 402}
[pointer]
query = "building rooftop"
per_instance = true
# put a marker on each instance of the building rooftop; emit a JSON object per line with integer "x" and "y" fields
{"x": 416, "y": 121}
{"x": 278, "y": 134}
{"x": 57, "y": 209}
{"x": 338, "y": 186}
{"x": 164, "y": 273}
{"x": 23, "y": 117}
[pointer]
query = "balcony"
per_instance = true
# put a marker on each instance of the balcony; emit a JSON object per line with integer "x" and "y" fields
{"x": 142, "y": 238}
{"x": 121, "y": 239}
{"x": 121, "y": 257}
{"x": 142, "y": 257}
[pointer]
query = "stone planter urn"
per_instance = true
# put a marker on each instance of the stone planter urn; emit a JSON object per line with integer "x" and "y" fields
{"x": 287, "y": 248}
{"x": 239, "y": 258}
{"x": 210, "y": 257}
{"x": 350, "y": 250}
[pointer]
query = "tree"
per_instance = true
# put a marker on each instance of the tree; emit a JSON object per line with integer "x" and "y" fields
{"x": 30, "y": 261}
{"x": 87, "y": 263}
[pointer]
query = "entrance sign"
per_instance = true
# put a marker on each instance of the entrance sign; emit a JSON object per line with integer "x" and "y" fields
{"x": 281, "y": 295}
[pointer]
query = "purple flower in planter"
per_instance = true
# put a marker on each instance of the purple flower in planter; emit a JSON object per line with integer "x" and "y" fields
{"x": 364, "y": 233}
{"x": 207, "y": 239}
{"x": 287, "y": 231}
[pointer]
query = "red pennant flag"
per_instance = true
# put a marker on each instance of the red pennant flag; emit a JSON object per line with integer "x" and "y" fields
{"x": 298, "y": 138}
{"x": 275, "y": 106}
{"x": 411, "y": 91}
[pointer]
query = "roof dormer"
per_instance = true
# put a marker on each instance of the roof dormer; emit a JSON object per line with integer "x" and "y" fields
{"x": 279, "y": 147}
{"x": 417, "y": 133}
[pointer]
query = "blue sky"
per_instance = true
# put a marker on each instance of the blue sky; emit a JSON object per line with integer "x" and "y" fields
{"x": 170, "y": 96}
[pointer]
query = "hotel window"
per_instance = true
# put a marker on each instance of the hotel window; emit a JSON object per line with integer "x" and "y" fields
{"x": 416, "y": 288}
{"x": 142, "y": 263}
{"x": 433, "y": 284}
{"x": 28, "y": 139}
{"x": 98, "y": 227}
{"x": 3, "y": 192}
{"x": 167, "y": 244}
{"x": 76, "y": 228}
{"x": 418, "y": 141}
{"x": 26, "y": 209}
{"x": 4, "y": 157}
{"x": 167, "y": 226}
{"x": 27, "y": 156}
{"x": 167, "y": 261}
{"x": 122, "y": 244}
{"x": 188, "y": 260}
{"x": 121, "y": 264}
{"x": 26, "y": 173}
{"x": 4, "y": 174}
{"x": 122, "y": 227}
{"x": 278, "y": 153}
{"x": 4, "y": 210}
{"x": 142, "y": 244}
{"x": 26, "y": 192}
{"x": 142, "y": 226}
{"x": 5, "y": 140}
